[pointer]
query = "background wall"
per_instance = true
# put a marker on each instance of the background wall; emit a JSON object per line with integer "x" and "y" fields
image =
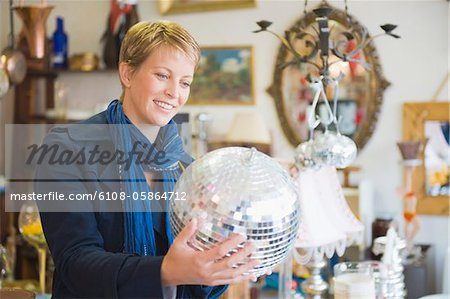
{"x": 414, "y": 64}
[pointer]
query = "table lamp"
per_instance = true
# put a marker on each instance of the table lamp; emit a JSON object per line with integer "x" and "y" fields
{"x": 327, "y": 224}
{"x": 249, "y": 129}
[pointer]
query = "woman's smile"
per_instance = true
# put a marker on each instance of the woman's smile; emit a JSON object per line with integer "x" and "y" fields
{"x": 164, "y": 105}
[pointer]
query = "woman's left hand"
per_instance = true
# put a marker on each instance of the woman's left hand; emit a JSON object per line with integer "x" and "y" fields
{"x": 184, "y": 265}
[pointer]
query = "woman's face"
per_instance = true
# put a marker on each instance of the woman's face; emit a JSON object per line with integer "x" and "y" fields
{"x": 157, "y": 90}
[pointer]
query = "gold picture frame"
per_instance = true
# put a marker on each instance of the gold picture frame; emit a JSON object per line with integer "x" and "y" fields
{"x": 167, "y": 7}
{"x": 415, "y": 114}
{"x": 225, "y": 76}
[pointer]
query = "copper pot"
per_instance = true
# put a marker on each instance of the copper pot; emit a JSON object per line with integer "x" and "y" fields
{"x": 15, "y": 65}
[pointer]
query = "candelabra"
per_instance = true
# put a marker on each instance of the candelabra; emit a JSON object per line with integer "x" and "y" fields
{"x": 318, "y": 48}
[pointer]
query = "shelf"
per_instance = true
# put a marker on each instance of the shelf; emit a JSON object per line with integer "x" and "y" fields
{"x": 42, "y": 73}
{"x": 99, "y": 71}
{"x": 56, "y": 72}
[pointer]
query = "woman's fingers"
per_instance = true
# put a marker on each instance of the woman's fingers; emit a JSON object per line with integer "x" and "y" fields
{"x": 234, "y": 266}
{"x": 188, "y": 231}
{"x": 232, "y": 273}
{"x": 224, "y": 264}
{"x": 239, "y": 257}
{"x": 220, "y": 251}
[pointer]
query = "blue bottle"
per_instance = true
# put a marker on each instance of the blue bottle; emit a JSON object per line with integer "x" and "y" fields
{"x": 60, "y": 46}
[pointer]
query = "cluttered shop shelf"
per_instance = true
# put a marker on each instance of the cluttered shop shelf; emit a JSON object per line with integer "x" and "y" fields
{"x": 36, "y": 98}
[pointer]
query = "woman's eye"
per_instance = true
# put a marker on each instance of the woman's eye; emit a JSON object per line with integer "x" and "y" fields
{"x": 162, "y": 76}
{"x": 186, "y": 84}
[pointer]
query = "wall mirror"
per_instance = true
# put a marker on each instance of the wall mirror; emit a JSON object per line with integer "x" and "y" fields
{"x": 360, "y": 91}
{"x": 429, "y": 123}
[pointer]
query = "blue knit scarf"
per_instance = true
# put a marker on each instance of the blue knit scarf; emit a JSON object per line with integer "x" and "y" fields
{"x": 139, "y": 237}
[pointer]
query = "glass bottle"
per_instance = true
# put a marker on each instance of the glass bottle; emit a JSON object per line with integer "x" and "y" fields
{"x": 60, "y": 45}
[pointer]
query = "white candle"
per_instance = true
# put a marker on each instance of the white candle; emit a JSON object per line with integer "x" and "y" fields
{"x": 354, "y": 285}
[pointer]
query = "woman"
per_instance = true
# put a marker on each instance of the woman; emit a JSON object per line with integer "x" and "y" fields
{"x": 127, "y": 253}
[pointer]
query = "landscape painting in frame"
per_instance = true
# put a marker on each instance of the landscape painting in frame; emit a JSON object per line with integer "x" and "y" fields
{"x": 224, "y": 77}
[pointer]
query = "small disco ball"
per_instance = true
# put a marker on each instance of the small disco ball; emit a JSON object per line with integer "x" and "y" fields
{"x": 239, "y": 190}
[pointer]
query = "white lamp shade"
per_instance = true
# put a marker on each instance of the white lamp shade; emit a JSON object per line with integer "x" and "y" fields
{"x": 327, "y": 223}
{"x": 337, "y": 209}
{"x": 317, "y": 234}
{"x": 248, "y": 127}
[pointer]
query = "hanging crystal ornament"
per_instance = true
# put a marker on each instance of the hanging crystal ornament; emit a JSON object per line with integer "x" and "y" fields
{"x": 303, "y": 155}
{"x": 346, "y": 147}
{"x": 304, "y": 151}
{"x": 333, "y": 149}
{"x": 328, "y": 148}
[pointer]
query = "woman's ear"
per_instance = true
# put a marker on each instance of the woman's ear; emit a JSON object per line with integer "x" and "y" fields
{"x": 125, "y": 74}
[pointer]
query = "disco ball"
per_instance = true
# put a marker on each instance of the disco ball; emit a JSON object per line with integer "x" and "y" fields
{"x": 239, "y": 190}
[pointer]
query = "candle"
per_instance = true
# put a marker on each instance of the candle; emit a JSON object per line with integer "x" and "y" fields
{"x": 354, "y": 285}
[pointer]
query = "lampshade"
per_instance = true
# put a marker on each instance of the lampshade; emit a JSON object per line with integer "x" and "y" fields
{"x": 248, "y": 127}
{"x": 336, "y": 208}
{"x": 328, "y": 225}
{"x": 317, "y": 235}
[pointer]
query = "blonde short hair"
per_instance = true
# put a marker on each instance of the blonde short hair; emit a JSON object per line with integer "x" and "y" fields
{"x": 145, "y": 37}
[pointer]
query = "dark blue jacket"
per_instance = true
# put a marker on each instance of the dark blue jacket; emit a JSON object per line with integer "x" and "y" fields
{"x": 87, "y": 247}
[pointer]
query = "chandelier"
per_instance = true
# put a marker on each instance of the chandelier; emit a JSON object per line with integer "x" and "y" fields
{"x": 308, "y": 45}
{"x": 321, "y": 41}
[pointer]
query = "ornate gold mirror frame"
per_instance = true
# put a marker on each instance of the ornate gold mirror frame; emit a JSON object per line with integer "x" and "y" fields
{"x": 415, "y": 115}
{"x": 374, "y": 88}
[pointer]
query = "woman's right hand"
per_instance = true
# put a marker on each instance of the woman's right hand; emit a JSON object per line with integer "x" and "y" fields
{"x": 182, "y": 265}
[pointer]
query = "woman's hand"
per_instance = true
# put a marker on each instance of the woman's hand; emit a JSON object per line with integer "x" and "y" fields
{"x": 184, "y": 265}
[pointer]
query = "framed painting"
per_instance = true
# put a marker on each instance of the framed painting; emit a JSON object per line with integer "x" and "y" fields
{"x": 428, "y": 122}
{"x": 224, "y": 77}
{"x": 167, "y": 7}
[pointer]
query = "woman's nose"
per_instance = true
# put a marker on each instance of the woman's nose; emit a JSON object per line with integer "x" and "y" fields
{"x": 171, "y": 90}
